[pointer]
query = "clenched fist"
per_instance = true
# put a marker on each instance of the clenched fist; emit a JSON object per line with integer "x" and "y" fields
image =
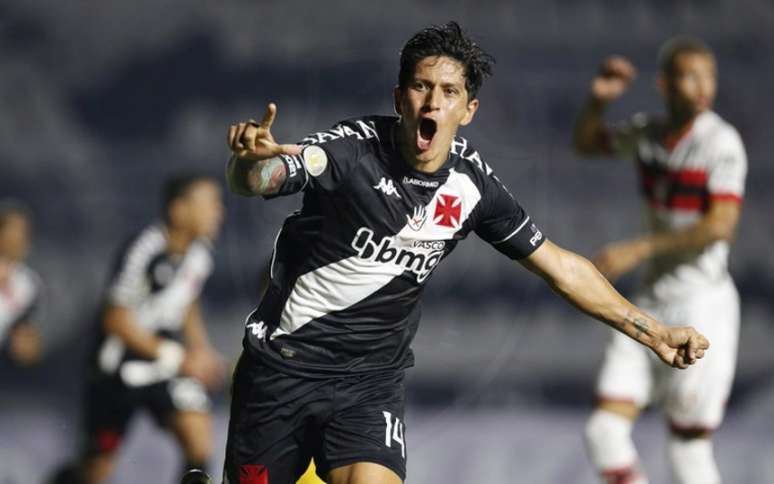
{"x": 615, "y": 75}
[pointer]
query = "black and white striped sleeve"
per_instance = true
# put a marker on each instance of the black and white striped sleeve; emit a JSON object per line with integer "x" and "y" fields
{"x": 129, "y": 283}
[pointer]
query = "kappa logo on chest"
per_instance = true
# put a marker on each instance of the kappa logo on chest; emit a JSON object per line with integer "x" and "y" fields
{"x": 387, "y": 187}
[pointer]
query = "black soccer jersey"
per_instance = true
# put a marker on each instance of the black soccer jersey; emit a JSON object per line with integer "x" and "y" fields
{"x": 158, "y": 288}
{"x": 349, "y": 267}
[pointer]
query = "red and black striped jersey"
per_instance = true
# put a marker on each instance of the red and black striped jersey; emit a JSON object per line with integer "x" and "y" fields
{"x": 680, "y": 175}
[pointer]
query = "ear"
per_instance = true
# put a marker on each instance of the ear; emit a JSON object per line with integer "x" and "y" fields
{"x": 396, "y": 96}
{"x": 471, "y": 109}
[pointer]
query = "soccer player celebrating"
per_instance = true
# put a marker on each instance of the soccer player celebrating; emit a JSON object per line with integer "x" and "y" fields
{"x": 153, "y": 352}
{"x": 692, "y": 166}
{"x": 385, "y": 200}
{"x": 19, "y": 287}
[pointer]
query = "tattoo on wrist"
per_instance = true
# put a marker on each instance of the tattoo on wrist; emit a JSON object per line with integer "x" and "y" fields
{"x": 267, "y": 176}
{"x": 640, "y": 324}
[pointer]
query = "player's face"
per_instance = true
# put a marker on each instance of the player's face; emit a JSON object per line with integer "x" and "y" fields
{"x": 432, "y": 105}
{"x": 691, "y": 88}
{"x": 15, "y": 237}
{"x": 203, "y": 209}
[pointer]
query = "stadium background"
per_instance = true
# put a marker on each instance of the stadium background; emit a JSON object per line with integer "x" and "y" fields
{"x": 101, "y": 100}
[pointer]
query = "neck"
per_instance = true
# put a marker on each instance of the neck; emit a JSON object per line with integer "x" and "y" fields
{"x": 178, "y": 240}
{"x": 680, "y": 120}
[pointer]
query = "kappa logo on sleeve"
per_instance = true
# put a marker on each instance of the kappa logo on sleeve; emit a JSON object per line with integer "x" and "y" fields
{"x": 315, "y": 160}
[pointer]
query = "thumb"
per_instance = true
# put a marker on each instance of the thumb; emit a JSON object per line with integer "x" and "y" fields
{"x": 290, "y": 149}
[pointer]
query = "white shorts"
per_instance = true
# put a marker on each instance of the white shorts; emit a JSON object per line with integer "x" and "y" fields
{"x": 694, "y": 398}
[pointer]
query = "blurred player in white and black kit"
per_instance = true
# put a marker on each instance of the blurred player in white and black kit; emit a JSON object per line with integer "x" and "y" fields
{"x": 153, "y": 353}
{"x": 385, "y": 199}
{"x": 692, "y": 167}
{"x": 20, "y": 287}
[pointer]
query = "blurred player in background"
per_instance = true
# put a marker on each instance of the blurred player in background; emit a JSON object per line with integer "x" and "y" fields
{"x": 692, "y": 166}
{"x": 19, "y": 287}
{"x": 385, "y": 199}
{"x": 153, "y": 352}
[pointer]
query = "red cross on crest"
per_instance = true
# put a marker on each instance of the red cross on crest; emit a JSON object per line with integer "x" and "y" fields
{"x": 448, "y": 209}
{"x": 253, "y": 474}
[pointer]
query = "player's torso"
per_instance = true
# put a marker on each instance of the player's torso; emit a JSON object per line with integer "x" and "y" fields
{"x": 17, "y": 294}
{"x": 156, "y": 286}
{"x": 398, "y": 219}
{"x": 349, "y": 268}
{"x": 172, "y": 283}
{"x": 674, "y": 176}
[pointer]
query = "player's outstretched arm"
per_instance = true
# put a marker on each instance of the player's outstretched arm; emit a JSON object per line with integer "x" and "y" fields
{"x": 591, "y": 135}
{"x": 254, "y": 167}
{"x": 719, "y": 223}
{"x": 578, "y": 281}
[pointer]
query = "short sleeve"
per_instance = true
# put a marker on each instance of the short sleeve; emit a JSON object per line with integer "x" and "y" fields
{"x": 129, "y": 282}
{"x": 727, "y": 167}
{"x": 32, "y": 300}
{"x": 505, "y": 224}
{"x": 326, "y": 158}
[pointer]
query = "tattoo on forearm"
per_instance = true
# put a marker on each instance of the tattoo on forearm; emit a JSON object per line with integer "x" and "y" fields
{"x": 267, "y": 176}
{"x": 639, "y": 323}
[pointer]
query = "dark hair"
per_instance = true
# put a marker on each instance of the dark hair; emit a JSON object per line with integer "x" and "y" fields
{"x": 676, "y": 46}
{"x": 10, "y": 208}
{"x": 177, "y": 186}
{"x": 448, "y": 40}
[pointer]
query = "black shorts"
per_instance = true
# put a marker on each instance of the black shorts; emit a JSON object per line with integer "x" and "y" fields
{"x": 109, "y": 405}
{"x": 279, "y": 422}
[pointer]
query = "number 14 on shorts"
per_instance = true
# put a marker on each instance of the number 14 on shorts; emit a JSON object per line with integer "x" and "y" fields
{"x": 394, "y": 432}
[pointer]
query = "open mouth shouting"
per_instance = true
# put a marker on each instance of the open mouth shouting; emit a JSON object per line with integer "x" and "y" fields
{"x": 425, "y": 133}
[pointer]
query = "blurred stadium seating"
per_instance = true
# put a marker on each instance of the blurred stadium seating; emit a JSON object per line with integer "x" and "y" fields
{"x": 101, "y": 100}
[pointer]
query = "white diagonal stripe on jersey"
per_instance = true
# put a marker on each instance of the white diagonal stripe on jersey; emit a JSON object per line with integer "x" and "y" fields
{"x": 331, "y": 288}
{"x": 344, "y": 283}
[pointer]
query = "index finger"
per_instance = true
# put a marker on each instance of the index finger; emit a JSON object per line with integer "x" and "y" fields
{"x": 268, "y": 118}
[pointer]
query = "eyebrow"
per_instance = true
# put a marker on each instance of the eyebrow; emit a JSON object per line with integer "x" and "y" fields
{"x": 442, "y": 84}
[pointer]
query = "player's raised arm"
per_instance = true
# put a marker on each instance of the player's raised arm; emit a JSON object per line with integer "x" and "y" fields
{"x": 719, "y": 223}
{"x": 591, "y": 135}
{"x": 255, "y": 167}
{"x": 577, "y": 280}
